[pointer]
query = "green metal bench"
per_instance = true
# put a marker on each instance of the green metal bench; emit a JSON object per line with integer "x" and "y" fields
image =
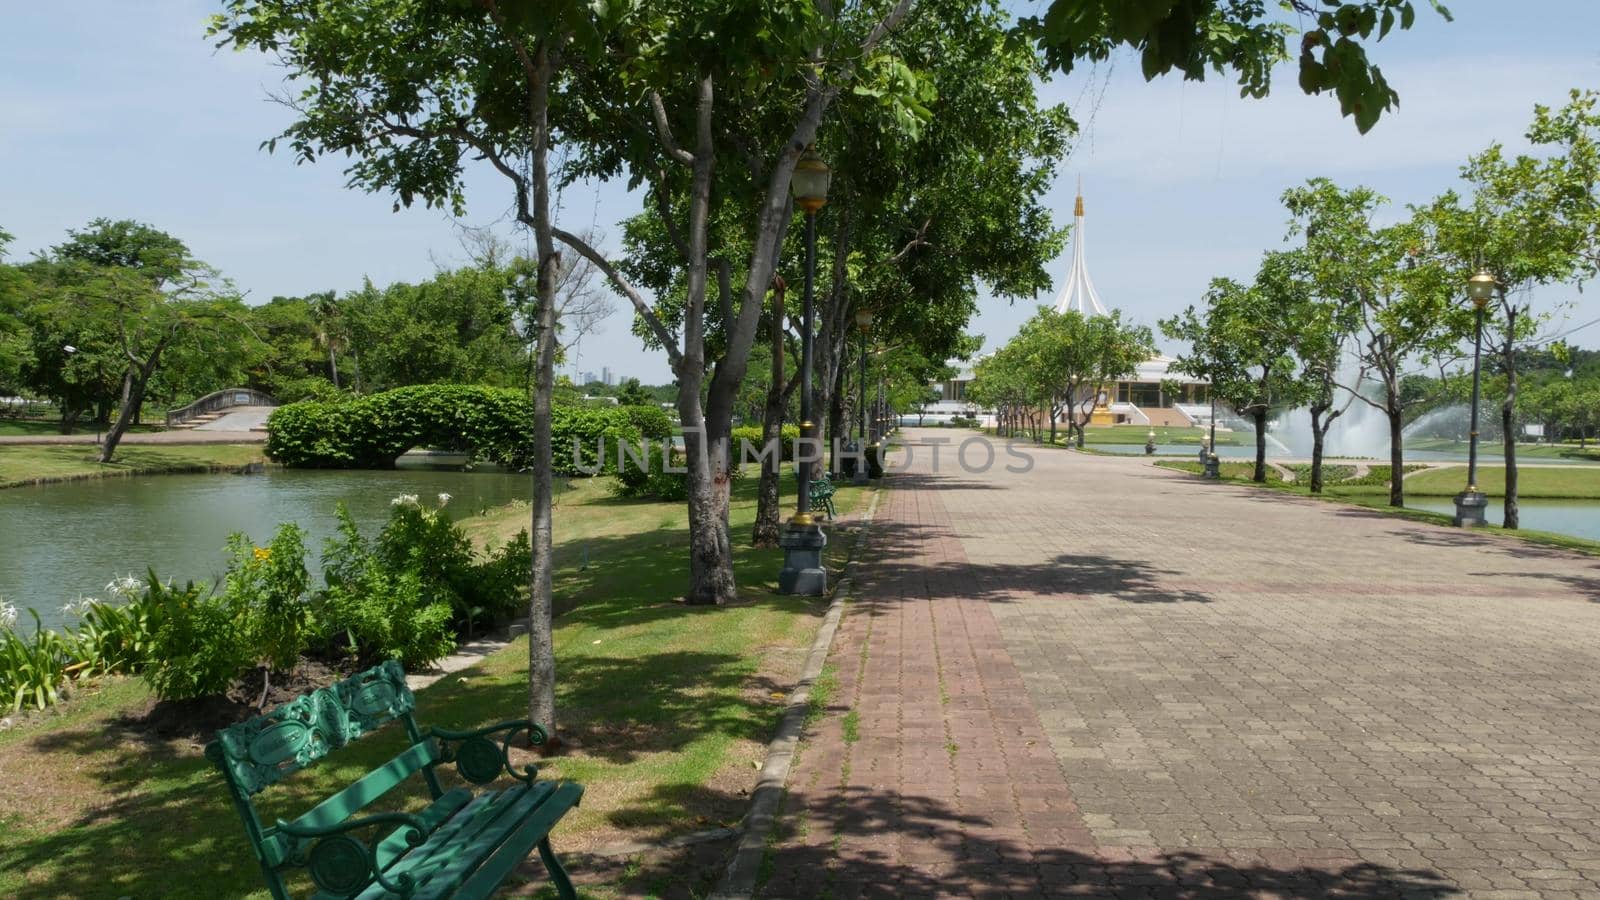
{"x": 463, "y": 844}
{"x": 822, "y": 496}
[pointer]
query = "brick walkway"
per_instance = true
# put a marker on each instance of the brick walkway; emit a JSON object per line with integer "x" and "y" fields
{"x": 1099, "y": 679}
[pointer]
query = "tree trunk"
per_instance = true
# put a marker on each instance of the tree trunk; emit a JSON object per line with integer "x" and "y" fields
{"x": 1259, "y": 419}
{"x": 541, "y": 611}
{"x": 333, "y": 367}
{"x": 133, "y": 387}
{"x": 1053, "y": 414}
{"x": 1318, "y": 435}
{"x": 836, "y": 426}
{"x": 765, "y": 532}
{"x": 1397, "y": 462}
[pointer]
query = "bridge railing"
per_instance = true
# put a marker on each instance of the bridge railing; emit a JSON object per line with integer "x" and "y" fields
{"x": 219, "y": 400}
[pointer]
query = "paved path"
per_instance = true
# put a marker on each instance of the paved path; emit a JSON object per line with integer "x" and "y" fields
{"x": 1102, "y": 679}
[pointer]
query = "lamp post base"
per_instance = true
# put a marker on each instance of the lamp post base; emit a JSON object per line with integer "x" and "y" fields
{"x": 1212, "y": 470}
{"x": 1470, "y": 506}
{"x": 802, "y": 574}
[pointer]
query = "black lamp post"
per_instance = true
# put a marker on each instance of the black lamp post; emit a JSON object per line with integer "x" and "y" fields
{"x": 1208, "y": 453}
{"x": 802, "y": 539}
{"x": 863, "y": 325}
{"x": 1471, "y": 503}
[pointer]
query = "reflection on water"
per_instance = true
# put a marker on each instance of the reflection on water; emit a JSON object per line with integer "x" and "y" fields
{"x": 62, "y": 541}
{"x": 1579, "y": 518}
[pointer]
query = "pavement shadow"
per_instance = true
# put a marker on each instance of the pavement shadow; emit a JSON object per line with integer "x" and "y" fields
{"x": 897, "y": 563}
{"x": 864, "y": 843}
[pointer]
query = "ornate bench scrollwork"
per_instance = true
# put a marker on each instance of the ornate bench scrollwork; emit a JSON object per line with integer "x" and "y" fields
{"x": 341, "y": 863}
{"x": 481, "y": 760}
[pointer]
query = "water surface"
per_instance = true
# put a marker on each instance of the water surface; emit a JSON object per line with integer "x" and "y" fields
{"x": 62, "y": 541}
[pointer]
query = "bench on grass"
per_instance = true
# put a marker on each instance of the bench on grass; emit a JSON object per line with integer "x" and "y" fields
{"x": 822, "y": 496}
{"x": 463, "y": 844}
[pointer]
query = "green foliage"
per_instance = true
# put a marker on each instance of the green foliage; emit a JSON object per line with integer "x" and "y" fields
{"x": 31, "y": 672}
{"x": 200, "y": 642}
{"x": 406, "y": 594}
{"x": 1193, "y": 36}
{"x": 269, "y": 586}
{"x": 114, "y": 637}
{"x": 372, "y": 431}
{"x": 751, "y": 434}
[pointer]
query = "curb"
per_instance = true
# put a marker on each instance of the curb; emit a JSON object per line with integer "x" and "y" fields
{"x": 739, "y": 880}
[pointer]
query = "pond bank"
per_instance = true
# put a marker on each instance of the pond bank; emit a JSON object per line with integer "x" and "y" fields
{"x": 42, "y": 464}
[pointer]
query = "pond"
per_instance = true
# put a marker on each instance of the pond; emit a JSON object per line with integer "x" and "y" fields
{"x": 1579, "y": 518}
{"x": 62, "y": 541}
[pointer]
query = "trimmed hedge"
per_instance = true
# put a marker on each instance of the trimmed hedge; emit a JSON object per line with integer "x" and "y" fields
{"x": 371, "y": 432}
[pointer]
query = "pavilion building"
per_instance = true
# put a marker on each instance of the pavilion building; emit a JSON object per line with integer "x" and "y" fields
{"x": 1153, "y": 395}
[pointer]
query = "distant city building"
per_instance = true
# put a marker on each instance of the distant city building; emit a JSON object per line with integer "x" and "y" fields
{"x": 1141, "y": 399}
{"x": 607, "y": 376}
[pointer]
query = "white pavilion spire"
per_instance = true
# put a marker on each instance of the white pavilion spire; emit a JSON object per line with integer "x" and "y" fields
{"x": 1079, "y": 293}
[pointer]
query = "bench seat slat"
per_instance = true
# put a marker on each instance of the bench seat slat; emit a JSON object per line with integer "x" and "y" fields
{"x": 394, "y": 846}
{"x": 440, "y": 836}
{"x": 515, "y": 848}
{"x": 438, "y": 868}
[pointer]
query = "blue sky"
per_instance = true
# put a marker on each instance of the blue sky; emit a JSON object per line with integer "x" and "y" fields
{"x": 124, "y": 110}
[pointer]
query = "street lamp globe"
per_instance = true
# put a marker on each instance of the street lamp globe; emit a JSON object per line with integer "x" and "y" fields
{"x": 1481, "y": 287}
{"x": 809, "y": 183}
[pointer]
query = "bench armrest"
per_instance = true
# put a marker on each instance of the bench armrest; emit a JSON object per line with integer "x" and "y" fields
{"x": 479, "y": 759}
{"x": 341, "y": 864}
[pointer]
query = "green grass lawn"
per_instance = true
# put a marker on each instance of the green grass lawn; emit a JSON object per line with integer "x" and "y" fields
{"x": 1529, "y": 451}
{"x": 33, "y": 463}
{"x": 666, "y": 710}
{"x": 1138, "y": 434}
{"x": 1550, "y": 482}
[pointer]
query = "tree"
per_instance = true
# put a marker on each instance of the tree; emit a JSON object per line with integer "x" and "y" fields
{"x": 632, "y": 393}
{"x": 1071, "y": 357}
{"x": 142, "y": 287}
{"x": 1337, "y": 259}
{"x": 409, "y": 94}
{"x": 748, "y": 95}
{"x": 1530, "y": 221}
{"x": 1244, "y": 344}
{"x": 1193, "y": 36}
{"x": 15, "y": 336}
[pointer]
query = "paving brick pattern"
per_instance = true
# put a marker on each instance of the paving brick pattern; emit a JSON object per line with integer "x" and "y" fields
{"x": 1097, "y": 679}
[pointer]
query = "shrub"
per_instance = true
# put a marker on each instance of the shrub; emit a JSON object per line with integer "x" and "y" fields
{"x": 268, "y": 586}
{"x": 408, "y": 593}
{"x": 787, "y": 436}
{"x": 31, "y": 672}
{"x": 380, "y": 612}
{"x": 200, "y": 644}
{"x": 372, "y": 431}
{"x": 113, "y": 637}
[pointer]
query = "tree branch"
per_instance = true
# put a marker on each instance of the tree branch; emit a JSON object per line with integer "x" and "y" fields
{"x": 662, "y": 334}
{"x": 658, "y": 111}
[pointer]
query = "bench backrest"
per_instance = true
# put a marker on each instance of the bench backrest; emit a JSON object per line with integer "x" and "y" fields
{"x": 256, "y": 754}
{"x": 270, "y": 747}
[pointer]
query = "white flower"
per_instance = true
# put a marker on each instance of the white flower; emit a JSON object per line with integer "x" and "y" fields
{"x": 8, "y": 615}
{"x": 443, "y": 498}
{"x": 404, "y": 499}
{"x": 125, "y": 586}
